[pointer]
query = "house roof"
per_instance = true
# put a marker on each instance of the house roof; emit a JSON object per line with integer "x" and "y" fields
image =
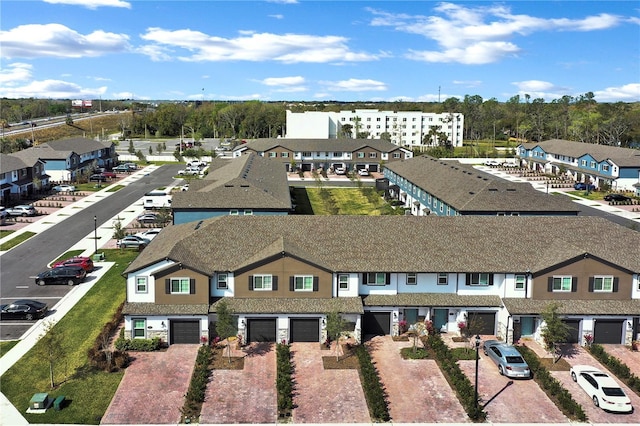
{"x": 44, "y": 152}
{"x": 346, "y": 305}
{"x": 574, "y": 307}
{"x": 431, "y": 299}
{"x": 78, "y": 145}
{"x": 9, "y": 163}
{"x": 170, "y": 309}
{"x": 467, "y": 189}
{"x": 247, "y": 182}
{"x": 622, "y": 157}
{"x": 320, "y": 145}
{"x": 383, "y": 243}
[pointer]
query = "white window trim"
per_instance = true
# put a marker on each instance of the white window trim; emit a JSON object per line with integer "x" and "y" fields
{"x": 602, "y": 278}
{"x": 561, "y": 278}
{"x": 412, "y": 276}
{"x": 145, "y": 284}
{"x": 520, "y": 279}
{"x": 179, "y": 279}
{"x": 445, "y": 276}
{"x": 341, "y": 282}
{"x": 479, "y": 282}
{"x": 263, "y": 276}
{"x": 302, "y": 279}
{"x": 225, "y": 281}
{"x": 133, "y": 328}
{"x": 376, "y": 274}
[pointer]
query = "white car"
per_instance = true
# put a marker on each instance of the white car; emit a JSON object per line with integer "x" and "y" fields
{"x": 605, "y": 392}
{"x": 363, "y": 172}
{"x": 149, "y": 234}
{"x": 64, "y": 188}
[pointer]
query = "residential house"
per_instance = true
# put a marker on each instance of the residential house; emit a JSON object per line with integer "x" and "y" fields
{"x": 325, "y": 154}
{"x": 600, "y": 165}
{"x": 20, "y": 177}
{"x": 281, "y": 275}
{"x": 248, "y": 185}
{"x": 427, "y": 185}
{"x": 410, "y": 129}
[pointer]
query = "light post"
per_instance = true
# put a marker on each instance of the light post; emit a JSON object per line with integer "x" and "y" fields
{"x": 477, "y": 342}
{"x": 95, "y": 234}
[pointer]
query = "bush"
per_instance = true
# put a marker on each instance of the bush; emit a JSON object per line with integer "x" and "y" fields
{"x": 284, "y": 379}
{"x": 140, "y": 345}
{"x": 197, "y": 387}
{"x": 617, "y": 367}
{"x": 99, "y": 355}
{"x": 373, "y": 389}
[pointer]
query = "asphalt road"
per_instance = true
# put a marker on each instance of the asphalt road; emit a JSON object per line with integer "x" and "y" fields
{"x": 31, "y": 257}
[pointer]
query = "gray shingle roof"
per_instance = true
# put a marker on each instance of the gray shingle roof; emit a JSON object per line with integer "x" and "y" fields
{"x": 247, "y": 182}
{"x": 397, "y": 244}
{"x": 78, "y": 145}
{"x": 9, "y": 163}
{"x": 470, "y": 190}
{"x": 624, "y": 157}
{"x": 574, "y": 307}
{"x": 431, "y": 299}
{"x": 320, "y": 145}
{"x": 346, "y": 305}
{"x": 153, "y": 309}
{"x": 34, "y": 153}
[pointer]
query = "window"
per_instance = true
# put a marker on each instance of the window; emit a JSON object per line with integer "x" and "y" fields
{"x": 180, "y": 285}
{"x": 396, "y": 155}
{"x": 222, "y": 281}
{"x": 412, "y": 278}
{"x": 248, "y": 212}
{"x": 375, "y": 278}
{"x": 262, "y": 282}
{"x": 303, "y": 283}
{"x": 337, "y": 154}
{"x": 139, "y": 328}
{"x": 285, "y": 155}
{"x": 592, "y": 164}
{"x": 521, "y": 280}
{"x": 343, "y": 282}
{"x": 443, "y": 278}
{"x": 233, "y": 212}
{"x": 373, "y": 155}
{"x": 605, "y": 167}
{"x": 273, "y": 154}
{"x": 603, "y": 283}
{"x": 360, "y": 155}
{"x": 306, "y": 154}
{"x": 141, "y": 284}
{"x": 561, "y": 284}
{"x": 479, "y": 279}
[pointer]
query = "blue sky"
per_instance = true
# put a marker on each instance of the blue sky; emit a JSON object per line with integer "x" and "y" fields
{"x": 319, "y": 50}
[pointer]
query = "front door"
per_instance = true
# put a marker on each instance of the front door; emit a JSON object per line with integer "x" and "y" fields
{"x": 528, "y": 326}
{"x": 411, "y": 316}
{"x": 440, "y": 318}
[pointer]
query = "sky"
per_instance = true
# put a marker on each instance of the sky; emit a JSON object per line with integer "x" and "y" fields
{"x": 302, "y": 50}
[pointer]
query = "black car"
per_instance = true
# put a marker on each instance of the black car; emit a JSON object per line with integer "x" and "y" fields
{"x": 98, "y": 178}
{"x": 69, "y": 275}
{"x": 23, "y": 309}
{"x": 616, "y": 197}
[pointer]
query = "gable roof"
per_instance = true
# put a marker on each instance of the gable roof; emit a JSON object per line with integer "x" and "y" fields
{"x": 78, "y": 145}
{"x": 44, "y": 152}
{"x": 467, "y": 189}
{"x": 247, "y": 182}
{"x": 623, "y": 157}
{"x": 381, "y": 243}
{"x": 320, "y": 145}
{"x": 9, "y": 163}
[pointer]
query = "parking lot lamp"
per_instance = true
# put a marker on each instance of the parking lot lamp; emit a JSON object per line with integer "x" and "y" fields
{"x": 95, "y": 234}
{"x": 477, "y": 342}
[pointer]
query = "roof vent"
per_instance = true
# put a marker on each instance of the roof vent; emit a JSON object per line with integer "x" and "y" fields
{"x": 511, "y": 189}
{"x": 493, "y": 189}
{"x": 198, "y": 225}
{"x": 228, "y": 185}
{"x": 471, "y": 192}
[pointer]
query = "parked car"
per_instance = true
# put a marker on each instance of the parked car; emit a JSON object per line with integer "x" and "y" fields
{"x": 133, "y": 241}
{"x": 64, "y": 188}
{"x": 492, "y": 163}
{"x": 340, "y": 171}
{"x": 69, "y": 275}
{"x": 109, "y": 175}
{"x": 581, "y": 186}
{"x": 616, "y": 197}
{"x": 21, "y": 210}
{"x": 197, "y": 163}
{"x": 24, "y": 309}
{"x": 84, "y": 262}
{"x": 189, "y": 171}
{"x": 149, "y": 234}
{"x": 149, "y": 218}
{"x": 121, "y": 169}
{"x": 363, "y": 172}
{"x": 97, "y": 178}
{"x": 509, "y": 361}
{"x": 603, "y": 390}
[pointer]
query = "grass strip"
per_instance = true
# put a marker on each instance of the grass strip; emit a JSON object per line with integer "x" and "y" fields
{"x": 88, "y": 391}
{"x": 17, "y": 240}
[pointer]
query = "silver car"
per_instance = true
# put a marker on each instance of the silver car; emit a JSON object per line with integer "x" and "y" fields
{"x": 509, "y": 361}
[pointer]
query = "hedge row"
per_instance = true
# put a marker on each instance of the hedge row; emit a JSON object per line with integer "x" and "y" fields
{"x": 556, "y": 392}
{"x": 140, "y": 345}
{"x": 99, "y": 354}
{"x": 373, "y": 390}
{"x": 457, "y": 379}
{"x": 617, "y": 367}
{"x": 284, "y": 379}
{"x": 197, "y": 387}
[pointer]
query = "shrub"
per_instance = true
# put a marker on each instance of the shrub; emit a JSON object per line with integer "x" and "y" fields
{"x": 617, "y": 367}
{"x": 284, "y": 379}
{"x": 373, "y": 389}
{"x": 140, "y": 345}
{"x": 197, "y": 387}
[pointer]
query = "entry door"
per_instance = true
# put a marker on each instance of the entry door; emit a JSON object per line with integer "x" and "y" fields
{"x": 528, "y": 326}
{"x": 411, "y": 316}
{"x": 440, "y": 318}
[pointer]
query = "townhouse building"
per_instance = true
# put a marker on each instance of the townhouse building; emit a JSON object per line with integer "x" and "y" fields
{"x": 20, "y": 177}
{"x": 429, "y": 186}
{"x": 248, "y": 185}
{"x": 324, "y": 154}
{"x": 600, "y": 165}
{"x": 403, "y": 128}
{"x": 281, "y": 276}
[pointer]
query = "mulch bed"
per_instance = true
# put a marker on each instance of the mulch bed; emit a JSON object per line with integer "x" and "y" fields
{"x": 347, "y": 361}
{"x": 220, "y": 360}
{"x": 561, "y": 365}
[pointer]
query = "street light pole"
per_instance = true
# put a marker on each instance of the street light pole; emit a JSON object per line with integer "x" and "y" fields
{"x": 477, "y": 342}
{"x": 95, "y": 234}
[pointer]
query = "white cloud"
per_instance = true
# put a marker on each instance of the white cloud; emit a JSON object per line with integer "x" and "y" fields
{"x": 467, "y": 83}
{"x": 283, "y": 81}
{"x": 354, "y": 85}
{"x": 286, "y": 48}
{"x": 59, "y": 41}
{"x": 252, "y": 97}
{"x": 626, "y": 93}
{"x": 533, "y": 85}
{"x": 277, "y": 16}
{"x": 283, "y": 1}
{"x": 92, "y": 4}
{"x": 11, "y": 74}
{"x": 122, "y": 95}
{"x": 480, "y": 34}
{"x": 51, "y": 89}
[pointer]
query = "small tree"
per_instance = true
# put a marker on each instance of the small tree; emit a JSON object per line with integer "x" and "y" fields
{"x": 415, "y": 331}
{"x": 225, "y": 325}
{"x": 555, "y": 331}
{"x": 336, "y": 325}
{"x": 50, "y": 348}
{"x": 131, "y": 148}
{"x": 118, "y": 230}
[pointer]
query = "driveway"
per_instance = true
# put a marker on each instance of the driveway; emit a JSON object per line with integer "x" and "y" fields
{"x": 244, "y": 396}
{"x": 416, "y": 389}
{"x": 325, "y": 396}
{"x": 579, "y": 356}
{"x": 153, "y": 387}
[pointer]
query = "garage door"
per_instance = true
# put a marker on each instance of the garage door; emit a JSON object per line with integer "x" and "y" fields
{"x": 261, "y": 330}
{"x": 574, "y": 330}
{"x": 373, "y": 167}
{"x": 304, "y": 330}
{"x": 376, "y": 323}
{"x": 482, "y": 322}
{"x": 608, "y": 331}
{"x": 184, "y": 331}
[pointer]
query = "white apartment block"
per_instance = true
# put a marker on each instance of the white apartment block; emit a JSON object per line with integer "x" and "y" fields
{"x": 406, "y": 128}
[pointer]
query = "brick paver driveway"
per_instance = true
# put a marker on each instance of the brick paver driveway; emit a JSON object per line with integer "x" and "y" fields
{"x": 417, "y": 391}
{"x": 325, "y": 396}
{"x": 244, "y": 396}
{"x": 153, "y": 387}
{"x": 579, "y": 356}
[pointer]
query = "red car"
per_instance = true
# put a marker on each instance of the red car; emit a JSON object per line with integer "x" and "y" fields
{"x": 84, "y": 262}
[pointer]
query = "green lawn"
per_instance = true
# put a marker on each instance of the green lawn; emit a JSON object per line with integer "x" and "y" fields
{"x": 17, "y": 240}
{"x": 347, "y": 201}
{"x": 5, "y": 232}
{"x": 88, "y": 391}
{"x": 6, "y": 346}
